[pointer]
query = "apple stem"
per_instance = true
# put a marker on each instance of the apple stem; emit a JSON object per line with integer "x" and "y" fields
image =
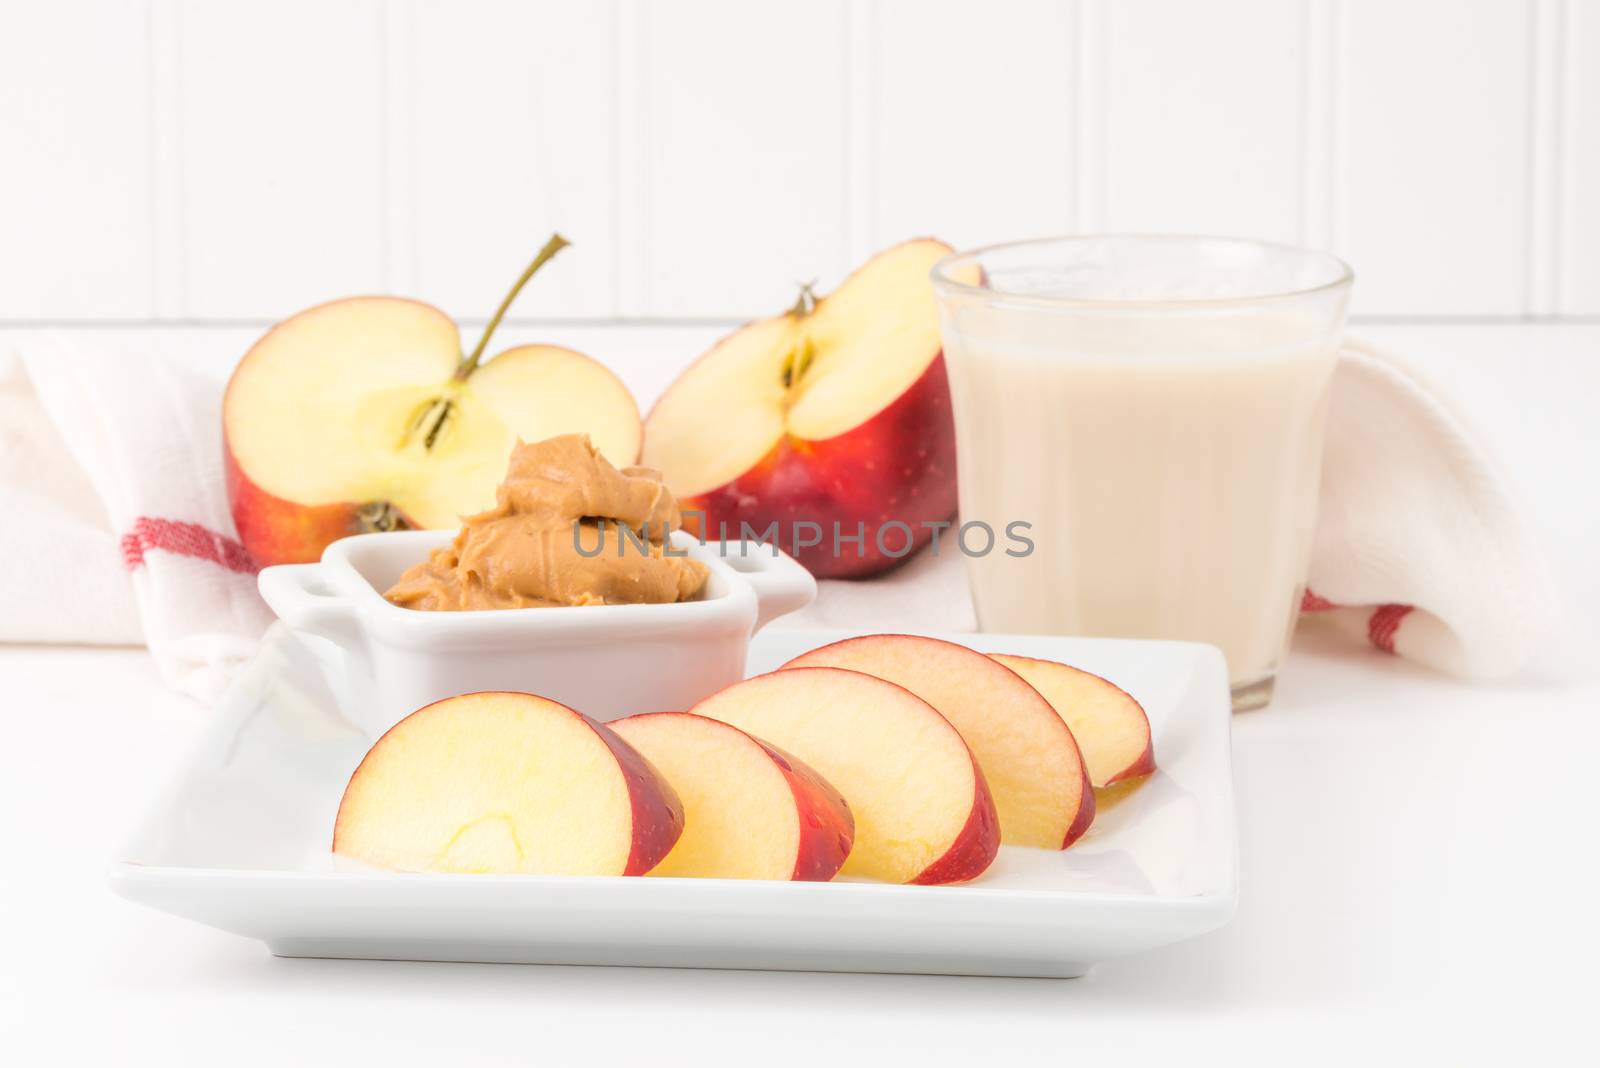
{"x": 807, "y": 303}
{"x": 470, "y": 364}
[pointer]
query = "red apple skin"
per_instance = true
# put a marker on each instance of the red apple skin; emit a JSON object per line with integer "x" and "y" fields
{"x": 276, "y": 531}
{"x": 1143, "y": 766}
{"x": 975, "y": 848}
{"x": 657, "y": 812}
{"x": 898, "y": 465}
{"x": 1085, "y": 816}
{"x": 827, "y": 828}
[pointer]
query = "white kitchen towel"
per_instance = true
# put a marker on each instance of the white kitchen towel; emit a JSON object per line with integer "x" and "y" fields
{"x": 1421, "y": 546}
{"x": 114, "y": 499}
{"x": 112, "y": 484}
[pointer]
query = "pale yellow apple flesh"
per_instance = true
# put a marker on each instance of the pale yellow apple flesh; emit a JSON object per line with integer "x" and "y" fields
{"x": 1027, "y": 753}
{"x": 1110, "y": 726}
{"x": 750, "y": 811}
{"x": 506, "y": 782}
{"x": 922, "y": 809}
{"x": 807, "y": 376}
{"x": 337, "y": 404}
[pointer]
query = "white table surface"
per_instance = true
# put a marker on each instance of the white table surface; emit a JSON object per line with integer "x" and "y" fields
{"x": 1418, "y": 855}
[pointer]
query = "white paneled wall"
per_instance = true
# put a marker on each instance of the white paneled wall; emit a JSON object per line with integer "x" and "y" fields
{"x": 503, "y": 116}
{"x": 1577, "y": 190}
{"x": 235, "y": 161}
{"x": 967, "y": 121}
{"x": 76, "y": 177}
{"x": 1433, "y": 136}
{"x": 1204, "y": 118}
{"x": 739, "y": 177}
{"x": 280, "y": 152}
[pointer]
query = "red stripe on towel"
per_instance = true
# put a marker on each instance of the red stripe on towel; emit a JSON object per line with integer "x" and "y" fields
{"x": 1383, "y": 624}
{"x": 183, "y": 539}
{"x": 1310, "y": 602}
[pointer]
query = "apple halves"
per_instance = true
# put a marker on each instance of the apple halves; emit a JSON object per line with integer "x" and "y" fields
{"x": 364, "y": 415}
{"x": 833, "y": 416}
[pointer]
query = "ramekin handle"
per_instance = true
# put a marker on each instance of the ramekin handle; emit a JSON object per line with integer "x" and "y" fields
{"x": 781, "y": 584}
{"x": 304, "y": 598}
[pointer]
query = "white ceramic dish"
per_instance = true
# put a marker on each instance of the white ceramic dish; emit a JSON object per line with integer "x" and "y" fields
{"x": 607, "y": 660}
{"x": 242, "y": 843}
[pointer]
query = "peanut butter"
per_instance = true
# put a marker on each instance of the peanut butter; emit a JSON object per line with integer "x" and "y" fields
{"x": 556, "y": 537}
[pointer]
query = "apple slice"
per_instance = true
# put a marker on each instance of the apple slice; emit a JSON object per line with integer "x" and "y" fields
{"x": 1027, "y": 754}
{"x": 922, "y": 809}
{"x": 1110, "y": 726}
{"x": 506, "y": 782}
{"x": 363, "y": 415}
{"x": 750, "y": 810}
{"x": 836, "y": 414}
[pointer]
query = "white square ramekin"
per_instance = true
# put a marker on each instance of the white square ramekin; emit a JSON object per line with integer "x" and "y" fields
{"x": 606, "y": 661}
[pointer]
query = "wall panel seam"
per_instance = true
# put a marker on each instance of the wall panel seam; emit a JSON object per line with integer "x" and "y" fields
{"x": 168, "y": 298}
{"x": 1566, "y": 191}
{"x": 1335, "y": 165}
{"x": 397, "y": 142}
{"x": 1541, "y": 205}
{"x": 1316, "y": 125}
{"x": 631, "y": 121}
{"x": 862, "y": 67}
{"x": 1091, "y": 136}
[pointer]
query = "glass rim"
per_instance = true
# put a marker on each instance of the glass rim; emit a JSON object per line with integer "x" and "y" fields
{"x": 942, "y": 280}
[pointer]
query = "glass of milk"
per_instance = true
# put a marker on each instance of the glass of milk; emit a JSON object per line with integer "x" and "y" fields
{"x": 1152, "y": 408}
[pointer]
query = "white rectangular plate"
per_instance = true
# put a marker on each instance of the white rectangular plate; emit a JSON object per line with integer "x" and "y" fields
{"x": 242, "y": 843}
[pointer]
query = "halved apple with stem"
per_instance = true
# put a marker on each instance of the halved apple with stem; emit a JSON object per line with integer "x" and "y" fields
{"x": 364, "y": 414}
{"x": 506, "y": 782}
{"x": 1027, "y": 753}
{"x": 750, "y": 810}
{"x": 831, "y": 421}
{"x": 1110, "y": 726}
{"x": 922, "y": 809}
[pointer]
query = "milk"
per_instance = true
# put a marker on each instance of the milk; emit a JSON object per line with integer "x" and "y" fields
{"x": 1167, "y": 459}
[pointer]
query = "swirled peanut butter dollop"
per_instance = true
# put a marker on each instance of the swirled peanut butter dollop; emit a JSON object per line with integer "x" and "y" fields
{"x": 560, "y": 502}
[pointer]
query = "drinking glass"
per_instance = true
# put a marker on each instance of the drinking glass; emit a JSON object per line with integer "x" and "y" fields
{"x": 1152, "y": 409}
